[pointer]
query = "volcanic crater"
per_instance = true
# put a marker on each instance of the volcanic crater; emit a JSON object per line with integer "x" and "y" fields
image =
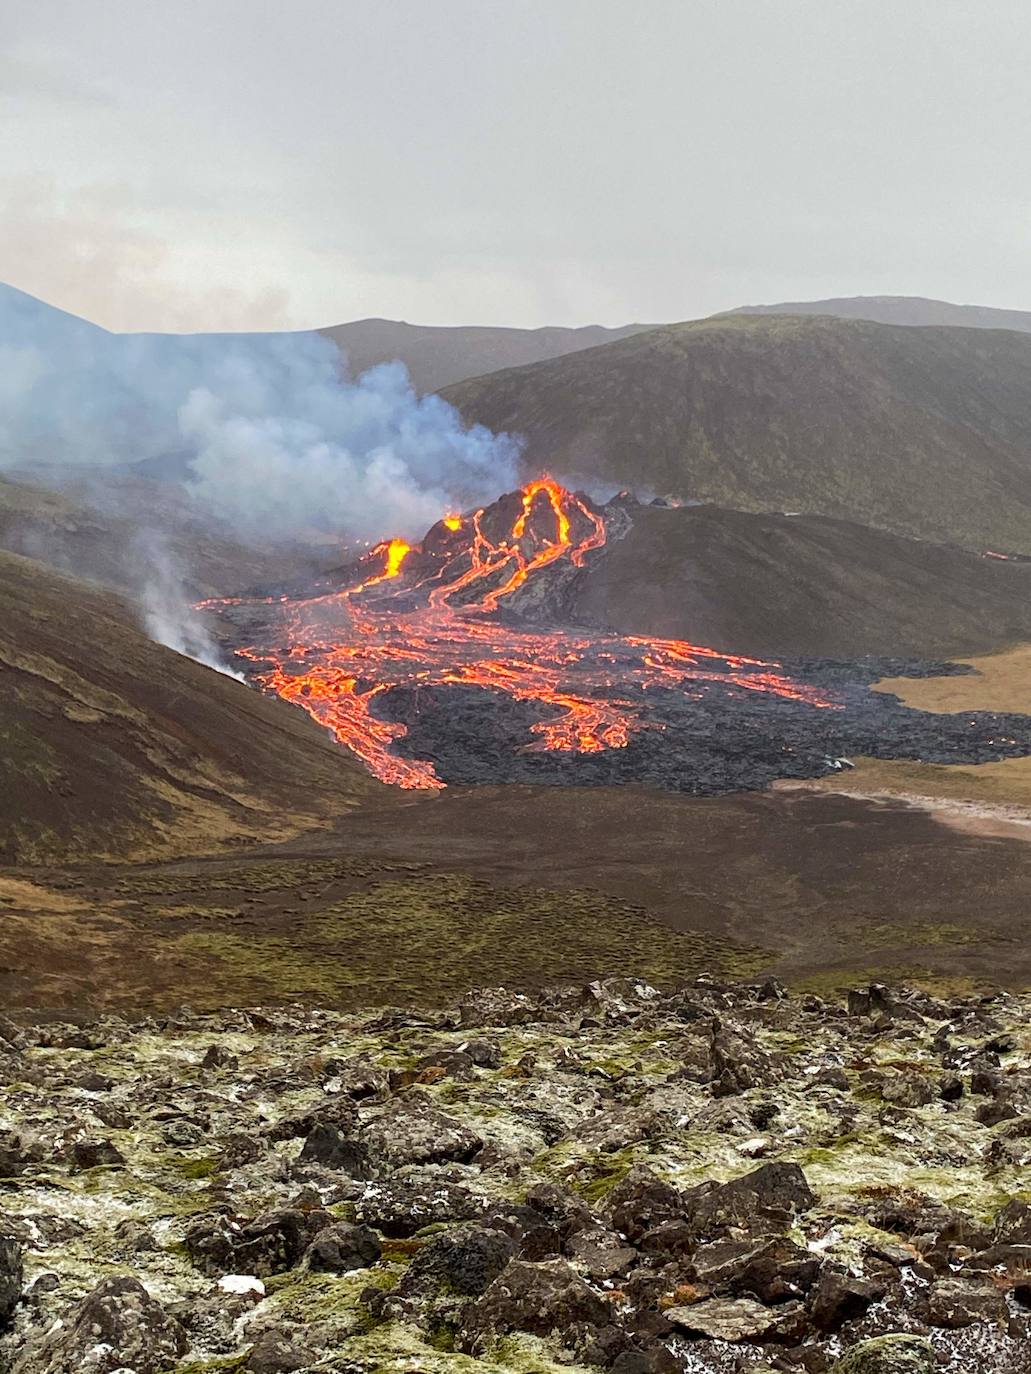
{"x": 462, "y": 660}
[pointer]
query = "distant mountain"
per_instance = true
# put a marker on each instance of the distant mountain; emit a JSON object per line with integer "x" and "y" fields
{"x": 780, "y": 586}
{"x": 114, "y": 745}
{"x": 925, "y": 432}
{"x": 909, "y": 310}
{"x": 438, "y": 356}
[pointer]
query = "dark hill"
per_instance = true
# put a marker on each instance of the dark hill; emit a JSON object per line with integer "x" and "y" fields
{"x": 113, "y": 745}
{"x": 926, "y": 432}
{"x": 911, "y": 310}
{"x": 438, "y": 356}
{"x": 781, "y": 586}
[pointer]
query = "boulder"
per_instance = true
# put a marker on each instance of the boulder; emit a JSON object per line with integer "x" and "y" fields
{"x": 955, "y": 1302}
{"x": 541, "y": 1299}
{"x": 840, "y": 1298}
{"x": 326, "y": 1145}
{"x": 726, "y": 1319}
{"x": 12, "y": 1276}
{"x": 276, "y": 1352}
{"x": 465, "y": 1261}
{"x": 270, "y": 1244}
{"x": 416, "y": 1132}
{"x": 341, "y": 1248}
{"x": 888, "y": 1355}
{"x": 771, "y": 1193}
{"x": 117, "y": 1326}
{"x": 642, "y": 1201}
{"x": 400, "y": 1207}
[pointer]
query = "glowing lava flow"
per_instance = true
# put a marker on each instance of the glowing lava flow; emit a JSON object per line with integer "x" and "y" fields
{"x": 424, "y": 618}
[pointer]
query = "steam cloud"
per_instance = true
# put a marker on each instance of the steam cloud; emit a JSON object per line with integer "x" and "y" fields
{"x": 264, "y": 429}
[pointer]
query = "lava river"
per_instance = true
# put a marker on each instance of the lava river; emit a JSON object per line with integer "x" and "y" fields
{"x": 452, "y": 611}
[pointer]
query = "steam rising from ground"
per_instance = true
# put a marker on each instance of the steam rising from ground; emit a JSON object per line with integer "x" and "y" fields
{"x": 265, "y": 430}
{"x": 167, "y": 614}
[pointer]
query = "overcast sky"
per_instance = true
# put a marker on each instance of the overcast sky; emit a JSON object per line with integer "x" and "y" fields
{"x": 204, "y": 164}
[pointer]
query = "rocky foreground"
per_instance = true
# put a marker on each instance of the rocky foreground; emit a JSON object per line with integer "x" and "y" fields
{"x": 720, "y": 1179}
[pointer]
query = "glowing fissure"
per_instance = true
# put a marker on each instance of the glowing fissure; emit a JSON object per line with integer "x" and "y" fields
{"x": 424, "y": 618}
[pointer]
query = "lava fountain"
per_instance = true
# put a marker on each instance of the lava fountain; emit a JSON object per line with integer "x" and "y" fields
{"x": 449, "y": 611}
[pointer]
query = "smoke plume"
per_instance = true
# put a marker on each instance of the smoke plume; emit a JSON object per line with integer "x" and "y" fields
{"x": 266, "y": 431}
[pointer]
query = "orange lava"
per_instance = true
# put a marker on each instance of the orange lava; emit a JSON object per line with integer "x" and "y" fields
{"x": 425, "y": 618}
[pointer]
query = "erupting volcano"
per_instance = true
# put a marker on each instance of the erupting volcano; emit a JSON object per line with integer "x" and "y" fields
{"x": 451, "y": 612}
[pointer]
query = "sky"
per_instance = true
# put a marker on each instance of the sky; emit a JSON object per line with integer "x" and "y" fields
{"x": 257, "y": 164}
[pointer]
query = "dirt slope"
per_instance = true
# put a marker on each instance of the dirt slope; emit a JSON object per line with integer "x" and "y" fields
{"x": 925, "y": 432}
{"x": 110, "y": 744}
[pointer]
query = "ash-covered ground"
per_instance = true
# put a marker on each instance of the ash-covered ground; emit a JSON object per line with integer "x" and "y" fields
{"x": 708, "y": 739}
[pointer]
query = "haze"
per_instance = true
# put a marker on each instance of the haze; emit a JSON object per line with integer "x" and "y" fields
{"x": 243, "y": 165}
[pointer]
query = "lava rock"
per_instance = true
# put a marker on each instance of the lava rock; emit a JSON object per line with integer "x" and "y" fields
{"x": 728, "y": 1319}
{"x": 773, "y": 1192}
{"x": 840, "y": 1298}
{"x": 326, "y": 1146}
{"x": 464, "y": 1260}
{"x": 12, "y": 1277}
{"x": 955, "y": 1302}
{"x": 117, "y": 1326}
{"x": 275, "y": 1352}
{"x": 270, "y": 1244}
{"x": 417, "y": 1132}
{"x": 888, "y": 1355}
{"x": 340, "y": 1248}
{"x": 400, "y": 1207}
{"x": 537, "y": 1298}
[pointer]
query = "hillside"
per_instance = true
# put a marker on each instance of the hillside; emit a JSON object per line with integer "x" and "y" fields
{"x": 114, "y": 745}
{"x": 778, "y": 586}
{"x": 139, "y": 522}
{"x": 925, "y": 432}
{"x": 438, "y": 356}
{"x": 910, "y": 310}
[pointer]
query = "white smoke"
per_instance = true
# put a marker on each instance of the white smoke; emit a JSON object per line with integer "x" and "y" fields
{"x": 168, "y": 617}
{"x": 267, "y": 430}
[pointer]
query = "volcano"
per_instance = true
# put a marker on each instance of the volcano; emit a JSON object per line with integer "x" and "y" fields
{"x": 449, "y": 662}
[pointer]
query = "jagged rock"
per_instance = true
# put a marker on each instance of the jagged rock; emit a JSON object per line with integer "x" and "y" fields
{"x": 727, "y": 1319}
{"x": 88, "y": 1154}
{"x": 270, "y": 1244}
{"x": 341, "y": 1247}
{"x": 772, "y": 1270}
{"x": 538, "y": 1298}
{"x": 641, "y": 1201}
{"x": 239, "y": 1149}
{"x": 908, "y": 1090}
{"x": 771, "y": 1193}
{"x": 1013, "y": 1224}
{"x": 116, "y": 1327}
{"x": 326, "y": 1146}
{"x": 12, "y": 1275}
{"x": 401, "y": 1207}
{"x": 840, "y": 1298}
{"x": 888, "y": 1355}
{"x": 417, "y": 1132}
{"x": 464, "y": 1260}
{"x": 276, "y": 1352}
{"x": 956, "y": 1302}
{"x": 600, "y": 1253}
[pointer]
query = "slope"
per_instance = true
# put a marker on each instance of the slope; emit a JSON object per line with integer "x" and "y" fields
{"x": 782, "y": 586}
{"x": 438, "y": 356}
{"x": 925, "y": 432}
{"x": 909, "y": 310}
{"x": 113, "y": 745}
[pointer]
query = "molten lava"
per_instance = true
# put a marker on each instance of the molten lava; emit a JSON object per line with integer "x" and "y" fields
{"x": 430, "y": 615}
